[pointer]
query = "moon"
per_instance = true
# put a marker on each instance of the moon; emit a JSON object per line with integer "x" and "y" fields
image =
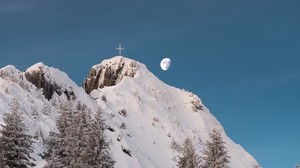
{"x": 165, "y": 64}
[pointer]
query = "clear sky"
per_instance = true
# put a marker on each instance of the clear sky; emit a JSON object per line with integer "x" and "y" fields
{"x": 242, "y": 58}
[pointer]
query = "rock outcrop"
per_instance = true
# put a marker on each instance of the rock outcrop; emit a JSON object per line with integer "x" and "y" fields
{"x": 40, "y": 77}
{"x": 109, "y": 73}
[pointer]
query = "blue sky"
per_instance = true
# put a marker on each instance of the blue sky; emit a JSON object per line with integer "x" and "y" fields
{"x": 241, "y": 57}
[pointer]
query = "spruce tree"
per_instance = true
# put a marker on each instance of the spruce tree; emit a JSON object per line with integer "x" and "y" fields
{"x": 55, "y": 155}
{"x": 98, "y": 146}
{"x": 215, "y": 154}
{"x": 16, "y": 144}
{"x": 35, "y": 112}
{"x": 189, "y": 158}
{"x": 46, "y": 109}
{"x": 80, "y": 142}
{"x": 2, "y": 159}
{"x": 77, "y": 136}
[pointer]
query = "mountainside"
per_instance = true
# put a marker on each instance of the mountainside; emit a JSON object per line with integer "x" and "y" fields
{"x": 144, "y": 116}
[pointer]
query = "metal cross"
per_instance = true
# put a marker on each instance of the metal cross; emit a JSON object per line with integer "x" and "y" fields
{"x": 120, "y": 49}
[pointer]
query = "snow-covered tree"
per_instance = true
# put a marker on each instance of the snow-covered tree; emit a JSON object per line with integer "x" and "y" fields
{"x": 80, "y": 141}
{"x": 77, "y": 136}
{"x": 189, "y": 158}
{"x": 2, "y": 159}
{"x": 34, "y": 112}
{"x": 55, "y": 143}
{"x": 215, "y": 154}
{"x": 98, "y": 146}
{"x": 38, "y": 135}
{"x": 16, "y": 145}
{"x": 46, "y": 109}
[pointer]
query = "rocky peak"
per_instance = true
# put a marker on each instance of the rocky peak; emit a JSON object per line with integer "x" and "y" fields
{"x": 11, "y": 72}
{"x": 109, "y": 73}
{"x": 49, "y": 80}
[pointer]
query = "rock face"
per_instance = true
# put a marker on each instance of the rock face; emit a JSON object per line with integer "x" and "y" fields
{"x": 109, "y": 73}
{"x": 37, "y": 78}
{"x": 40, "y": 77}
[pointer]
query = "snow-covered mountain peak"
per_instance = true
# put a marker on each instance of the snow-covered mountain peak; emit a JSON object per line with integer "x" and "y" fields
{"x": 36, "y": 67}
{"x": 51, "y": 74}
{"x": 9, "y": 68}
{"x": 144, "y": 116}
{"x": 110, "y": 72}
{"x": 50, "y": 80}
{"x": 10, "y": 71}
{"x": 129, "y": 75}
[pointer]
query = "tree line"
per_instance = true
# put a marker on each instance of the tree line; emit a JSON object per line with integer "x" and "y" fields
{"x": 79, "y": 141}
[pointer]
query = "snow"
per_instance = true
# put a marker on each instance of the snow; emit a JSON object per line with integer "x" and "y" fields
{"x": 156, "y": 114}
{"x": 128, "y": 68}
{"x": 53, "y": 75}
{"x": 155, "y": 111}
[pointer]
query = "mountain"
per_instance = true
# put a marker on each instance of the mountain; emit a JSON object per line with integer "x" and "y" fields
{"x": 146, "y": 119}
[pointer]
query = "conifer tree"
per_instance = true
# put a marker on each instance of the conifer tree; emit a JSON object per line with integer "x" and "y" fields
{"x": 56, "y": 142}
{"x": 215, "y": 154}
{"x": 80, "y": 142}
{"x": 2, "y": 159}
{"x": 16, "y": 145}
{"x": 99, "y": 148}
{"x": 77, "y": 136}
{"x": 189, "y": 158}
{"x": 46, "y": 109}
{"x": 35, "y": 112}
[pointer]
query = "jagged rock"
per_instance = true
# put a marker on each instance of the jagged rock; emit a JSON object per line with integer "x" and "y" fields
{"x": 39, "y": 79}
{"x": 109, "y": 73}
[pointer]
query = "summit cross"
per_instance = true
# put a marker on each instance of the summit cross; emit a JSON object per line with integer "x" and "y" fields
{"x": 120, "y": 49}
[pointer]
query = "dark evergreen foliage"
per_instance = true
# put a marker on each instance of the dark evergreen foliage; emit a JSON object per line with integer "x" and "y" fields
{"x": 80, "y": 141}
{"x": 16, "y": 145}
{"x": 215, "y": 154}
{"x": 189, "y": 158}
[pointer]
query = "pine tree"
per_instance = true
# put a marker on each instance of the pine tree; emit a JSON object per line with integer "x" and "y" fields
{"x": 35, "y": 112}
{"x": 15, "y": 144}
{"x": 38, "y": 135}
{"x": 46, "y": 109}
{"x": 215, "y": 154}
{"x": 80, "y": 142}
{"x": 2, "y": 159}
{"x": 189, "y": 158}
{"x": 99, "y": 148}
{"x": 77, "y": 136}
{"x": 56, "y": 142}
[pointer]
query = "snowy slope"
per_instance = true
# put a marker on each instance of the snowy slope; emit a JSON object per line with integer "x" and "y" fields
{"x": 13, "y": 84}
{"x": 143, "y": 114}
{"x": 156, "y": 115}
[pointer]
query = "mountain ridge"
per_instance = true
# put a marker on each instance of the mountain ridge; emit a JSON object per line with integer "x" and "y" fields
{"x": 139, "y": 110}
